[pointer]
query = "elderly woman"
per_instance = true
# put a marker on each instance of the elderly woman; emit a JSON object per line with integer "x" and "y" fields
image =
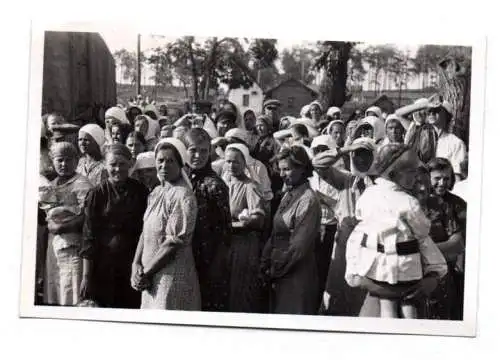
{"x": 91, "y": 140}
{"x": 63, "y": 201}
{"x": 163, "y": 268}
{"x": 288, "y": 260}
{"x": 248, "y": 216}
{"x": 113, "y": 224}
{"x": 212, "y": 234}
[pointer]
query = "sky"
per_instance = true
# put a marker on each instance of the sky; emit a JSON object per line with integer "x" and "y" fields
{"x": 123, "y": 39}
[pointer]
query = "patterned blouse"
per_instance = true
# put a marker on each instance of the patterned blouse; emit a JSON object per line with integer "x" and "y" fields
{"x": 94, "y": 170}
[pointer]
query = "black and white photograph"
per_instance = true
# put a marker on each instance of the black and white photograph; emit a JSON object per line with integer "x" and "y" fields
{"x": 254, "y": 182}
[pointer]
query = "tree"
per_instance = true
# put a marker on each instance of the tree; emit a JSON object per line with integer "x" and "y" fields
{"x": 128, "y": 64}
{"x": 379, "y": 59}
{"x": 160, "y": 64}
{"x": 333, "y": 60}
{"x": 357, "y": 71}
{"x": 298, "y": 63}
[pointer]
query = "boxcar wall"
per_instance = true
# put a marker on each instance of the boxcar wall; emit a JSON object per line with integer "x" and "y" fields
{"x": 79, "y": 76}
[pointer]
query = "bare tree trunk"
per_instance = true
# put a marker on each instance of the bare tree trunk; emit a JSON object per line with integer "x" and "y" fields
{"x": 454, "y": 82}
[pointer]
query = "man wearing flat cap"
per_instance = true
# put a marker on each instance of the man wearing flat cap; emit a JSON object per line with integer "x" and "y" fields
{"x": 271, "y": 109}
{"x": 449, "y": 146}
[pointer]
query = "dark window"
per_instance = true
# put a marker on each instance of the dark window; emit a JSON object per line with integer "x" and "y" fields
{"x": 246, "y": 100}
{"x": 254, "y": 93}
{"x": 290, "y": 101}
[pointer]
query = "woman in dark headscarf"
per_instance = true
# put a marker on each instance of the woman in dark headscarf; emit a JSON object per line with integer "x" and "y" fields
{"x": 212, "y": 234}
{"x": 288, "y": 259}
{"x": 113, "y": 224}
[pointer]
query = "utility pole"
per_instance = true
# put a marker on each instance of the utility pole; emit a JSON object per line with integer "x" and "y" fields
{"x": 138, "y": 78}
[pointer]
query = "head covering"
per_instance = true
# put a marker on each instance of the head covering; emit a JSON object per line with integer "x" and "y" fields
{"x": 328, "y": 129}
{"x": 419, "y": 104}
{"x": 117, "y": 113}
{"x": 63, "y": 148}
{"x": 181, "y": 149}
{"x": 237, "y": 134}
{"x": 332, "y": 111}
{"x": 151, "y": 107}
{"x": 119, "y": 149}
{"x": 305, "y": 109}
{"x": 374, "y": 109}
{"x": 363, "y": 143}
{"x": 244, "y": 151}
{"x": 230, "y": 115}
{"x": 145, "y": 160}
{"x": 377, "y": 124}
{"x": 209, "y": 127}
{"x": 393, "y": 117}
{"x": 323, "y": 140}
{"x": 62, "y": 130}
{"x": 309, "y": 123}
{"x": 318, "y": 104}
{"x": 272, "y": 102}
{"x": 96, "y": 132}
{"x": 394, "y": 157}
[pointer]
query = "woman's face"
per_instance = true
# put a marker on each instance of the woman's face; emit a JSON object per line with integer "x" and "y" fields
{"x": 441, "y": 181}
{"x": 110, "y": 122}
{"x": 315, "y": 112}
{"x": 420, "y": 116}
{"x": 394, "y": 131}
{"x": 65, "y": 166}
{"x": 52, "y": 121}
{"x": 437, "y": 117}
{"x": 261, "y": 128}
{"x": 366, "y": 131}
{"x": 135, "y": 147}
{"x": 87, "y": 144}
{"x": 362, "y": 159}
{"x": 235, "y": 162}
{"x": 141, "y": 125}
{"x": 336, "y": 116}
{"x": 290, "y": 174}
{"x": 223, "y": 125}
{"x": 117, "y": 167}
{"x": 198, "y": 155}
{"x": 168, "y": 168}
{"x": 148, "y": 177}
{"x": 250, "y": 121}
{"x": 337, "y": 133}
{"x": 116, "y": 135}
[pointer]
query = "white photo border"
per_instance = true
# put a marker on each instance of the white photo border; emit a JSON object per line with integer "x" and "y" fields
{"x": 466, "y": 328}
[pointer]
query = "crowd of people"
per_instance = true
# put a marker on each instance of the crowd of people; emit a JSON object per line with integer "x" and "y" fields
{"x": 319, "y": 214}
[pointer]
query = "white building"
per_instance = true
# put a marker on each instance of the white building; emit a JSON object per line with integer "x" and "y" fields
{"x": 245, "y": 99}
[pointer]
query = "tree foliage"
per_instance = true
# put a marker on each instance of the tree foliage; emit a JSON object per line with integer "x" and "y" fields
{"x": 128, "y": 64}
{"x": 298, "y": 63}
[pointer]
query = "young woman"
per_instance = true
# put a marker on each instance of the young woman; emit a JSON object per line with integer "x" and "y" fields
{"x": 212, "y": 234}
{"x": 149, "y": 128}
{"x": 136, "y": 144}
{"x": 288, "y": 259}
{"x": 394, "y": 130}
{"x": 247, "y": 214}
{"x": 145, "y": 170}
{"x": 113, "y": 224}
{"x": 114, "y": 116}
{"x": 91, "y": 139}
{"x": 163, "y": 268}
{"x": 390, "y": 246}
{"x": 63, "y": 202}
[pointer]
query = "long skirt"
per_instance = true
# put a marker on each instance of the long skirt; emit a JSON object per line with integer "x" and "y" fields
{"x": 63, "y": 270}
{"x": 324, "y": 250}
{"x": 245, "y": 289}
{"x": 176, "y": 286}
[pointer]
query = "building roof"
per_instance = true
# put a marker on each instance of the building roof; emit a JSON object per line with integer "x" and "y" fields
{"x": 291, "y": 79}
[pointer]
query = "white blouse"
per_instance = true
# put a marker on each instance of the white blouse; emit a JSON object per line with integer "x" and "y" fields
{"x": 389, "y": 216}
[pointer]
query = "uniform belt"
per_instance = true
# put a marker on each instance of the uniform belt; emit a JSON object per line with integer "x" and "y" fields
{"x": 403, "y": 248}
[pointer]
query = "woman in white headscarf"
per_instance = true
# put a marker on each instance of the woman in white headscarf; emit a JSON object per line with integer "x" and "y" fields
{"x": 91, "y": 140}
{"x": 374, "y": 111}
{"x": 114, "y": 116}
{"x": 248, "y": 216}
{"x": 149, "y": 128}
{"x": 163, "y": 267}
{"x": 371, "y": 127}
{"x": 395, "y": 129}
